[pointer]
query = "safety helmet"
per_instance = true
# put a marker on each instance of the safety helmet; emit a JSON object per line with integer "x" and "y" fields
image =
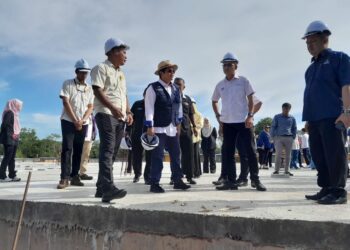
{"x": 125, "y": 143}
{"x": 229, "y": 57}
{"x": 82, "y": 65}
{"x": 316, "y": 27}
{"x": 149, "y": 142}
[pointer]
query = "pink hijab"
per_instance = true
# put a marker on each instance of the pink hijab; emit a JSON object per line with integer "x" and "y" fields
{"x": 15, "y": 106}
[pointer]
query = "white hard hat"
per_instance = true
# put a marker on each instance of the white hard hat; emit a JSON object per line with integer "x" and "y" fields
{"x": 114, "y": 42}
{"x": 82, "y": 65}
{"x": 149, "y": 142}
{"x": 316, "y": 27}
{"x": 229, "y": 57}
{"x": 125, "y": 143}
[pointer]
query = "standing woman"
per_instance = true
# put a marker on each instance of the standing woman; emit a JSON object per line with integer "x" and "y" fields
{"x": 208, "y": 146}
{"x": 9, "y": 137}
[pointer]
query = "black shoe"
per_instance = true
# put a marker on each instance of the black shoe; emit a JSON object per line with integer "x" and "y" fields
{"x": 181, "y": 185}
{"x": 191, "y": 181}
{"x": 171, "y": 182}
{"x": 147, "y": 182}
{"x": 75, "y": 181}
{"x": 98, "y": 194}
{"x": 331, "y": 199}
{"x": 289, "y": 173}
{"x": 206, "y": 171}
{"x": 85, "y": 177}
{"x": 136, "y": 179}
{"x": 228, "y": 185}
{"x": 258, "y": 185}
{"x": 219, "y": 182}
{"x": 156, "y": 188}
{"x": 112, "y": 194}
{"x": 212, "y": 171}
{"x": 242, "y": 183}
{"x": 323, "y": 192}
{"x": 276, "y": 172}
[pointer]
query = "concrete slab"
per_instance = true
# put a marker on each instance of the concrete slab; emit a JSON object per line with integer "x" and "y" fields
{"x": 269, "y": 216}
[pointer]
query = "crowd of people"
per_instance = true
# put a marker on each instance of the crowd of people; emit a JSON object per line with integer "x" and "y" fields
{"x": 167, "y": 119}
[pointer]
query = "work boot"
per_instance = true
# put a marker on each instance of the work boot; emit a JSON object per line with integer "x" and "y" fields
{"x": 75, "y": 181}
{"x": 85, "y": 177}
{"x": 112, "y": 194}
{"x": 181, "y": 185}
{"x": 63, "y": 184}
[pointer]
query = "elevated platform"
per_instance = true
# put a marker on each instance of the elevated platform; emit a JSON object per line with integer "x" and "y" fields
{"x": 201, "y": 218}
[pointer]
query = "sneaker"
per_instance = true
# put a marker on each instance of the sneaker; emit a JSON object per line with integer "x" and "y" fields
{"x": 6, "y": 179}
{"x": 288, "y": 173}
{"x": 156, "y": 188}
{"x": 323, "y": 192}
{"x": 75, "y": 181}
{"x": 112, "y": 194}
{"x": 331, "y": 199}
{"x": 15, "y": 179}
{"x": 242, "y": 183}
{"x": 85, "y": 177}
{"x": 228, "y": 185}
{"x": 63, "y": 184}
{"x": 258, "y": 185}
{"x": 181, "y": 185}
{"x": 191, "y": 181}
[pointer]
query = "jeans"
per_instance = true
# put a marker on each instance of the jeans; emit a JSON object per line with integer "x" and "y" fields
{"x": 8, "y": 161}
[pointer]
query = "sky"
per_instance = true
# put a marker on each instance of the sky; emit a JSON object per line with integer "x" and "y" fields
{"x": 40, "y": 41}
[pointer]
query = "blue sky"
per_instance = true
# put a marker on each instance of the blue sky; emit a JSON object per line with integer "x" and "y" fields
{"x": 41, "y": 41}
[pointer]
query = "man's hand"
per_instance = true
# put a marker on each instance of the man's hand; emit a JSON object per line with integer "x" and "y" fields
{"x": 249, "y": 122}
{"x": 150, "y": 131}
{"x": 195, "y": 132}
{"x": 78, "y": 125}
{"x": 345, "y": 119}
{"x": 221, "y": 130}
{"x": 129, "y": 119}
{"x": 117, "y": 113}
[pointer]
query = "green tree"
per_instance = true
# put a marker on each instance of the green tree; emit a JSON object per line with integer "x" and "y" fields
{"x": 262, "y": 123}
{"x": 95, "y": 149}
{"x": 29, "y": 146}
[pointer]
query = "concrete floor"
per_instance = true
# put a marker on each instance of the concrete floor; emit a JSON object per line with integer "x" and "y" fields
{"x": 284, "y": 198}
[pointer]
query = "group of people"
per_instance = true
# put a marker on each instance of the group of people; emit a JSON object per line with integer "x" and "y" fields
{"x": 165, "y": 120}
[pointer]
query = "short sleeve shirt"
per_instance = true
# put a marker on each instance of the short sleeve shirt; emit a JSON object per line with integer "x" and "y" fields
{"x": 234, "y": 103}
{"x": 79, "y": 97}
{"x": 112, "y": 82}
{"x": 325, "y": 78}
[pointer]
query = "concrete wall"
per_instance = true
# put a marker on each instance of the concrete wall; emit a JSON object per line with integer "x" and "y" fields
{"x": 52, "y": 226}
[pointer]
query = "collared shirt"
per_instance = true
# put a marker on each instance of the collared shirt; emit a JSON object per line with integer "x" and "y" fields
{"x": 150, "y": 99}
{"x": 112, "y": 82}
{"x": 325, "y": 78}
{"x": 283, "y": 126}
{"x": 79, "y": 95}
{"x": 233, "y": 94}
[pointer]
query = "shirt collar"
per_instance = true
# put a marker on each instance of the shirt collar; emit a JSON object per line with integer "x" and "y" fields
{"x": 322, "y": 55}
{"x": 163, "y": 83}
{"x": 77, "y": 81}
{"x": 111, "y": 64}
{"x": 236, "y": 76}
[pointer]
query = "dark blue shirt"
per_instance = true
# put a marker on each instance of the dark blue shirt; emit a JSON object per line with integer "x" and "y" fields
{"x": 325, "y": 78}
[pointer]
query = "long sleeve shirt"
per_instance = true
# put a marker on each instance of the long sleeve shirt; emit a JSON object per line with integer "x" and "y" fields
{"x": 283, "y": 126}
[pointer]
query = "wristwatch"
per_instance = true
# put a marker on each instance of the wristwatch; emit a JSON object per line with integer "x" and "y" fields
{"x": 250, "y": 114}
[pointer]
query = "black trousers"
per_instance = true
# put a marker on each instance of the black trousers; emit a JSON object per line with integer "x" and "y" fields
{"x": 329, "y": 154}
{"x": 137, "y": 153}
{"x": 247, "y": 150}
{"x": 209, "y": 157}
{"x": 111, "y": 132}
{"x": 187, "y": 153}
{"x": 72, "y": 148}
{"x": 197, "y": 170}
{"x": 307, "y": 156}
{"x": 262, "y": 156}
{"x": 8, "y": 161}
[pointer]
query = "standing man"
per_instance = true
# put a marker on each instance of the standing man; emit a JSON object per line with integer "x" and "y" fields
{"x": 327, "y": 111}
{"x": 283, "y": 132}
{"x": 305, "y": 146}
{"x": 186, "y": 143}
{"x": 77, "y": 98}
{"x": 163, "y": 112}
{"x": 112, "y": 111}
{"x": 236, "y": 117}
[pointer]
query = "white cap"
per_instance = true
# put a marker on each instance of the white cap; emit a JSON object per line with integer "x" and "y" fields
{"x": 114, "y": 42}
{"x": 316, "y": 27}
{"x": 82, "y": 65}
{"x": 229, "y": 57}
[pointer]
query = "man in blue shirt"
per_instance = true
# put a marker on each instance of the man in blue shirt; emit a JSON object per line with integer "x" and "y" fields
{"x": 283, "y": 132}
{"x": 327, "y": 113}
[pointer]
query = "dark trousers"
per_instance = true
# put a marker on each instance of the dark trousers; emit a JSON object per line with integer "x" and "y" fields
{"x": 197, "y": 171}
{"x": 8, "y": 161}
{"x": 187, "y": 153}
{"x": 209, "y": 157}
{"x": 263, "y": 156}
{"x": 307, "y": 156}
{"x": 111, "y": 133}
{"x": 269, "y": 158}
{"x": 72, "y": 148}
{"x": 328, "y": 153}
{"x": 171, "y": 143}
{"x": 246, "y": 137}
{"x": 137, "y": 152}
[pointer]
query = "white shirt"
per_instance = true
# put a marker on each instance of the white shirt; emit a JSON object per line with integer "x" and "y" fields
{"x": 304, "y": 141}
{"x": 150, "y": 99}
{"x": 295, "y": 145}
{"x": 79, "y": 97}
{"x": 233, "y": 94}
{"x": 112, "y": 82}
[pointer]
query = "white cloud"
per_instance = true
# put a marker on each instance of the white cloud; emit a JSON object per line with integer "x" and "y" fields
{"x": 4, "y": 85}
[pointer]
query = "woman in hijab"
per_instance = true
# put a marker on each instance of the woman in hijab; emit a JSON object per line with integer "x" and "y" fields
{"x": 208, "y": 146}
{"x": 9, "y": 137}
